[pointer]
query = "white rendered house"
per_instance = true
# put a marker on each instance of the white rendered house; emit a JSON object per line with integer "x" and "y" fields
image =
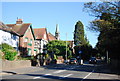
{"x": 8, "y": 36}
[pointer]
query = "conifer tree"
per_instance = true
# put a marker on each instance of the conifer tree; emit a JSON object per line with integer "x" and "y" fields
{"x": 79, "y": 36}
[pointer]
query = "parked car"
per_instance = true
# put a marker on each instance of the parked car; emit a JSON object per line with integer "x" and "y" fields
{"x": 66, "y": 61}
{"x": 92, "y": 60}
{"x": 73, "y": 61}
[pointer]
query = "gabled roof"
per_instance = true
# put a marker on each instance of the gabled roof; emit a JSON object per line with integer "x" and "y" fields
{"x": 39, "y": 33}
{"x": 7, "y": 29}
{"x": 20, "y": 29}
{"x": 51, "y": 37}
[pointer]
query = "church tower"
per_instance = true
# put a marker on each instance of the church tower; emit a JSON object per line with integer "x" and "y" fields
{"x": 57, "y": 34}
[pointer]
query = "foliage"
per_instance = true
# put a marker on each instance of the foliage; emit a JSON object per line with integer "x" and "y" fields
{"x": 9, "y": 52}
{"x": 86, "y": 51}
{"x": 81, "y": 42}
{"x": 25, "y": 58}
{"x": 57, "y": 47}
{"x": 79, "y": 36}
{"x": 107, "y": 23}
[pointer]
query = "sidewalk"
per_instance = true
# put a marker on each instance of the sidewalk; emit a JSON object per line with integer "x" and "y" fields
{"x": 20, "y": 70}
{"x": 103, "y": 71}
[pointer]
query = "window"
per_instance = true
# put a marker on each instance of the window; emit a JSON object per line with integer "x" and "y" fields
{"x": 31, "y": 41}
{"x": 30, "y": 44}
{"x": 13, "y": 37}
{"x": 26, "y": 39}
{"x": 29, "y": 52}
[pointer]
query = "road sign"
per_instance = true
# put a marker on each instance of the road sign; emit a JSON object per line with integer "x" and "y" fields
{"x": 80, "y": 52}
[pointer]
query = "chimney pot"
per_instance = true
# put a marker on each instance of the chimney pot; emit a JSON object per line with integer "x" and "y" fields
{"x": 19, "y": 21}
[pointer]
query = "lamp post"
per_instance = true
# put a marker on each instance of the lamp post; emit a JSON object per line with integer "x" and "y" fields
{"x": 66, "y": 46}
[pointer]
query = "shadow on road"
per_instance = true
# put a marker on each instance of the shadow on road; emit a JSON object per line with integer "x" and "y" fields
{"x": 56, "y": 78}
{"x": 98, "y": 68}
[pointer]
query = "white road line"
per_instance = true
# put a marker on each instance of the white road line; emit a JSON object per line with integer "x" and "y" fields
{"x": 87, "y": 75}
{"x": 65, "y": 76}
{"x": 59, "y": 71}
{"x": 36, "y": 77}
{"x": 68, "y": 75}
{"x": 47, "y": 74}
{"x": 43, "y": 75}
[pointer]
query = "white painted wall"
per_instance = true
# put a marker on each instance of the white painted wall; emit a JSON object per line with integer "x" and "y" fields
{"x": 11, "y": 39}
{"x": 43, "y": 42}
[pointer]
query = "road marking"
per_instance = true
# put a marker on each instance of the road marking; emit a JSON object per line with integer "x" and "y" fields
{"x": 43, "y": 75}
{"x": 59, "y": 71}
{"x": 47, "y": 74}
{"x": 87, "y": 75}
{"x": 65, "y": 76}
{"x": 36, "y": 77}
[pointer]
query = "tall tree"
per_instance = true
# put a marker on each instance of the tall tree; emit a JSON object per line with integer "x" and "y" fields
{"x": 79, "y": 36}
{"x": 108, "y": 24}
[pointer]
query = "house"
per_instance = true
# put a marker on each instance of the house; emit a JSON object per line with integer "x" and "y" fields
{"x": 26, "y": 37}
{"x": 51, "y": 37}
{"x": 8, "y": 36}
{"x": 41, "y": 40}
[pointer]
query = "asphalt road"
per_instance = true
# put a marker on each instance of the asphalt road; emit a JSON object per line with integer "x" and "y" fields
{"x": 88, "y": 72}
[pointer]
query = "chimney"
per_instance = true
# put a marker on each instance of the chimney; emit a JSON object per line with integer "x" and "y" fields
{"x": 19, "y": 21}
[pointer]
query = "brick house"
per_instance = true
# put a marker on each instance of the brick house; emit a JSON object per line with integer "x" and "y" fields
{"x": 51, "y": 37}
{"x": 26, "y": 37}
{"x": 41, "y": 40}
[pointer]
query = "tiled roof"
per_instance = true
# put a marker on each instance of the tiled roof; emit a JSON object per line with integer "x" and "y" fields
{"x": 40, "y": 32}
{"x": 6, "y": 28}
{"x": 20, "y": 29}
{"x": 2, "y": 25}
{"x": 51, "y": 37}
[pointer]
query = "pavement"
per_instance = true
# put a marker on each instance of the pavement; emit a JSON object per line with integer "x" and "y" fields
{"x": 20, "y": 70}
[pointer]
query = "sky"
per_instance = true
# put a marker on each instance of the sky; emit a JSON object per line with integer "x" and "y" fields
{"x": 48, "y": 14}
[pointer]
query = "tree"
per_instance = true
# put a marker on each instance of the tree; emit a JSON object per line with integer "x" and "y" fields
{"x": 58, "y": 48}
{"x": 81, "y": 42}
{"x": 79, "y": 36}
{"x": 107, "y": 23}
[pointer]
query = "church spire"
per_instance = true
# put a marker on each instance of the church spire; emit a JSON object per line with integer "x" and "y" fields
{"x": 57, "y": 30}
{"x": 57, "y": 33}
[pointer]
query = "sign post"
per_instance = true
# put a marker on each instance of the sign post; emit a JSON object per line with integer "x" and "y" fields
{"x": 81, "y": 61}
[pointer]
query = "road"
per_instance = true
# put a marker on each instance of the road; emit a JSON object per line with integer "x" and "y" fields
{"x": 87, "y": 72}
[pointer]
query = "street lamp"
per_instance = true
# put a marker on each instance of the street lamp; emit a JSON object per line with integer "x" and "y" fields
{"x": 66, "y": 46}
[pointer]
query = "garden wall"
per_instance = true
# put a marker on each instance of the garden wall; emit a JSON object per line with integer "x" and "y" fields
{"x": 15, "y": 64}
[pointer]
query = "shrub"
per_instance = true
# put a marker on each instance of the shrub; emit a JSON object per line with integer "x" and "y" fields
{"x": 9, "y": 52}
{"x": 9, "y": 55}
{"x": 6, "y": 46}
{"x": 25, "y": 58}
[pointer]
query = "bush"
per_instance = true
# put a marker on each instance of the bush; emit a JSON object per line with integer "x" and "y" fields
{"x": 25, "y": 58}
{"x": 9, "y": 52}
{"x": 9, "y": 55}
{"x": 6, "y": 46}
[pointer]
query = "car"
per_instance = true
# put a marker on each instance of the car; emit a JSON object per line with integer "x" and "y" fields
{"x": 66, "y": 61}
{"x": 73, "y": 61}
{"x": 92, "y": 60}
